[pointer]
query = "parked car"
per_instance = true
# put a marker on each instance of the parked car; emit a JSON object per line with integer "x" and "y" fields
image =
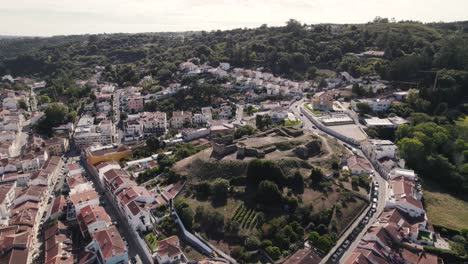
{"x": 334, "y": 258}
{"x": 346, "y": 244}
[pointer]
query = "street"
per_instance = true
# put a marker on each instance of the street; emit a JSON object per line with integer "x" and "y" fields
{"x": 382, "y": 194}
{"x": 135, "y": 247}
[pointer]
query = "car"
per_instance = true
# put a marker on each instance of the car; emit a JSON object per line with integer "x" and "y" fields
{"x": 346, "y": 244}
{"x": 301, "y": 114}
{"x": 334, "y": 258}
{"x": 374, "y": 200}
{"x": 366, "y": 220}
{"x": 376, "y": 183}
{"x": 339, "y": 251}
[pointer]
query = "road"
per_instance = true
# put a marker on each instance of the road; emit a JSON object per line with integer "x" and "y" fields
{"x": 116, "y": 104}
{"x": 381, "y": 199}
{"x": 239, "y": 115}
{"x": 135, "y": 247}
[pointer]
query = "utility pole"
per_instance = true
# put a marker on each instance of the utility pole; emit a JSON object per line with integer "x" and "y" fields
{"x": 435, "y": 80}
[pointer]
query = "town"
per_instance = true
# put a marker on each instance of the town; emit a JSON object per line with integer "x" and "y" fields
{"x": 295, "y": 144}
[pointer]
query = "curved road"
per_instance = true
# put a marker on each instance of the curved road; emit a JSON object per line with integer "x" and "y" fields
{"x": 381, "y": 198}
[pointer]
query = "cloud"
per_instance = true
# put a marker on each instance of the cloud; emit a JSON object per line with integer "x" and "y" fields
{"x": 51, "y": 17}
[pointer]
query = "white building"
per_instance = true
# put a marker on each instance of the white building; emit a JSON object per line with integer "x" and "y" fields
{"x": 377, "y": 105}
{"x": 378, "y": 149}
{"x": 189, "y": 134}
{"x": 179, "y": 118}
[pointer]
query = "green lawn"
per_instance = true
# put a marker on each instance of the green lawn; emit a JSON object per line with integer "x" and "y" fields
{"x": 288, "y": 122}
{"x": 315, "y": 112}
{"x": 446, "y": 210}
{"x": 151, "y": 240}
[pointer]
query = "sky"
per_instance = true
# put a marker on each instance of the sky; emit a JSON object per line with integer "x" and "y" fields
{"x": 66, "y": 17}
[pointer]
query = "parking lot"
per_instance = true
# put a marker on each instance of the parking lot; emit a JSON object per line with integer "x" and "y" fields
{"x": 350, "y": 130}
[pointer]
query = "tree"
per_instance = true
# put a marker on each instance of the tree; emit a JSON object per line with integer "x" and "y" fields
{"x": 324, "y": 243}
{"x": 273, "y": 252}
{"x": 153, "y": 143}
{"x": 412, "y": 150}
{"x": 268, "y": 192}
{"x": 364, "y": 108}
{"x": 219, "y": 189}
{"x": 22, "y": 104}
{"x": 316, "y": 176}
{"x": 314, "y": 237}
{"x": 252, "y": 243}
{"x": 244, "y": 131}
{"x": 186, "y": 215}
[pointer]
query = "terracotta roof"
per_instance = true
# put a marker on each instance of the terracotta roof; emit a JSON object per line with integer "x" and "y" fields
{"x": 58, "y": 205}
{"x": 15, "y": 256}
{"x": 169, "y": 247}
{"x": 359, "y": 163}
{"x": 110, "y": 242}
{"x": 88, "y": 195}
{"x": 418, "y": 257}
{"x": 119, "y": 181}
{"x": 25, "y": 217}
{"x": 32, "y": 190}
{"x": 75, "y": 180}
{"x": 4, "y": 189}
{"x": 110, "y": 175}
{"x": 91, "y": 214}
{"x": 73, "y": 166}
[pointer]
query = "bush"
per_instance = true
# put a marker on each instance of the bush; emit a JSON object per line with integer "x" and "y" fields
{"x": 219, "y": 189}
{"x": 252, "y": 243}
{"x": 273, "y": 252}
{"x": 268, "y": 192}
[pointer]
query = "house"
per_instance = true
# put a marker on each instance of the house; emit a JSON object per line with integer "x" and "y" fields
{"x": 199, "y": 119}
{"x": 82, "y": 199}
{"x": 180, "y": 118}
{"x": 104, "y": 167}
{"x": 154, "y": 122}
{"x": 102, "y": 134}
{"x": 93, "y": 218}
{"x": 224, "y": 112}
{"x": 57, "y": 146}
{"x": 346, "y": 77}
{"x": 9, "y": 103}
{"x": 225, "y": 66}
{"x": 267, "y": 105}
{"x": 189, "y": 134}
{"x": 359, "y": 165}
{"x": 278, "y": 114}
{"x": 378, "y": 149}
{"x": 136, "y": 202}
{"x": 400, "y": 96}
{"x": 135, "y": 104}
{"x": 15, "y": 242}
{"x": 207, "y": 113}
{"x": 406, "y": 196}
{"x": 377, "y": 105}
{"x": 73, "y": 169}
{"x": 33, "y": 193}
{"x": 7, "y": 195}
{"x": 56, "y": 208}
{"x": 169, "y": 251}
{"x": 322, "y": 101}
{"x": 109, "y": 246}
{"x": 378, "y": 122}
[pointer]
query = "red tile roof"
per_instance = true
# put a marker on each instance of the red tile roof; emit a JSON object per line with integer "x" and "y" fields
{"x": 110, "y": 242}
{"x": 81, "y": 197}
{"x": 91, "y": 214}
{"x": 169, "y": 247}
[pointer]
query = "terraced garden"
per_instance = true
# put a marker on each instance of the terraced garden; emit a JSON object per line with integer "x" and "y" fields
{"x": 247, "y": 218}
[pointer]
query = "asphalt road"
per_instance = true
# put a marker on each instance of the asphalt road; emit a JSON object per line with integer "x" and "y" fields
{"x": 134, "y": 246}
{"x": 382, "y": 194}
